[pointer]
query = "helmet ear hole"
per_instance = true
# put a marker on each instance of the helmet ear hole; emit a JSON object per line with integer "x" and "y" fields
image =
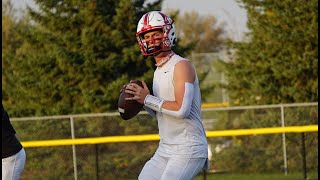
{"x": 174, "y": 41}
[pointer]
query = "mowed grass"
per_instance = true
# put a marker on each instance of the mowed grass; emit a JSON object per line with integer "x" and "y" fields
{"x": 294, "y": 176}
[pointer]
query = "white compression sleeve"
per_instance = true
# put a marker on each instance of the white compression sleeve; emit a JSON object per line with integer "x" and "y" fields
{"x": 185, "y": 108}
{"x": 155, "y": 103}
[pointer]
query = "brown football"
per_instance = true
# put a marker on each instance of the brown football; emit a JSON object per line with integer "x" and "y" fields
{"x": 129, "y": 108}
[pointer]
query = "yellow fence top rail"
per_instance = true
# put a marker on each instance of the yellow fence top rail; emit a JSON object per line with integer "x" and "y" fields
{"x": 155, "y": 137}
{"x": 213, "y": 105}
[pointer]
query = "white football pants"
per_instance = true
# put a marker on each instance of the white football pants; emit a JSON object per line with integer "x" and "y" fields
{"x": 13, "y": 166}
{"x": 163, "y": 168}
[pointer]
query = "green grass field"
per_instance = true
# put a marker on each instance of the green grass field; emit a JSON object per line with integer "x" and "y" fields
{"x": 295, "y": 176}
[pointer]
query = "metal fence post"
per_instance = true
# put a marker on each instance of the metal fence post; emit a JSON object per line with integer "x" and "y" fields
{"x": 284, "y": 142}
{"x": 74, "y": 150}
{"x": 97, "y": 161}
{"x": 204, "y": 174}
{"x": 303, "y": 154}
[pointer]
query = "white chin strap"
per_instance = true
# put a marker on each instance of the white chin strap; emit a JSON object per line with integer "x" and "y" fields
{"x": 155, "y": 103}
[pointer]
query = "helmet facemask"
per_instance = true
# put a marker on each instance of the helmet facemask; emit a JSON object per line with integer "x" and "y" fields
{"x": 167, "y": 29}
{"x": 153, "y": 46}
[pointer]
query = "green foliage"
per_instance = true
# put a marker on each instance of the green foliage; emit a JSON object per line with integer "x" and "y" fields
{"x": 73, "y": 57}
{"x": 200, "y": 34}
{"x": 278, "y": 62}
{"x": 256, "y": 176}
{"x": 264, "y": 153}
{"x": 115, "y": 160}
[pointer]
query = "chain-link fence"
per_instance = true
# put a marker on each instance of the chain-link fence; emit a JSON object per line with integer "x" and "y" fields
{"x": 271, "y": 153}
{"x": 208, "y": 63}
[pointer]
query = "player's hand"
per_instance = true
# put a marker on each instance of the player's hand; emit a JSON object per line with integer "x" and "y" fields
{"x": 139, "y": 93}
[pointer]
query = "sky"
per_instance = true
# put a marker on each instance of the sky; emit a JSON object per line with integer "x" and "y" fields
{"x": 228, "y": 12}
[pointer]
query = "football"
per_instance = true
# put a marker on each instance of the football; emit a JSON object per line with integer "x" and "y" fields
{"x": 130, "y": 108}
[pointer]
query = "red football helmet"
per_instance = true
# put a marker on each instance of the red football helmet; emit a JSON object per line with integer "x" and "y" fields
{"x": 151, "y": 21}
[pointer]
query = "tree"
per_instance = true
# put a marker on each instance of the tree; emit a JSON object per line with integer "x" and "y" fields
{"x": 10, "y": 43}
{"x": 203, "y": 32}
{"x": 7, "y": 23}
{"x": 75, "y": 56}
{"x": 278, "y": 63}
{"x": 206, "y": 38}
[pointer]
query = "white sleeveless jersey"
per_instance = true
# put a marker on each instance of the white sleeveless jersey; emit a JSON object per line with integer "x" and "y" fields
{"x": 179, "y": 137}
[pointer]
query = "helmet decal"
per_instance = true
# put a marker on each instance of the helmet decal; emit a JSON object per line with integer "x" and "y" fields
{"x": 167, "y": 43}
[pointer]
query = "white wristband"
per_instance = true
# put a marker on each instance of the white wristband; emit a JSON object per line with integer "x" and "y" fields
{"x": 153, "y": 102}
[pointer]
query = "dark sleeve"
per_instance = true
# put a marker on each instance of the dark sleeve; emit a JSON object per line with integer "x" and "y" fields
{"x": 6, "y": 122}
{"x": 10, "y": 143}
